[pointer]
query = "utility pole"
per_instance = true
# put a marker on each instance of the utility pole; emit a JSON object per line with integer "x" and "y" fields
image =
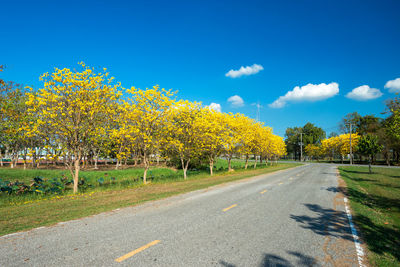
{"x": 351, "y": 149}
{"x": 301, "y": 147}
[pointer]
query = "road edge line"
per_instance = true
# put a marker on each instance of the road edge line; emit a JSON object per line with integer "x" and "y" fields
{"x": 356, "y": 238}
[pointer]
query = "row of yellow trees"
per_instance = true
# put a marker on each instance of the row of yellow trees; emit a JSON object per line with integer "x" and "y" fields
{"x": 77, "y": 113}
{"x": 334, "y": 145}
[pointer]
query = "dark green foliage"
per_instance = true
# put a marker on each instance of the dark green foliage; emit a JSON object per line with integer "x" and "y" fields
{"x": 311, "y": 135}
{"x": 39, "y": 185}
{"x": 368, "y": 145}
{"x": 100, "y": 180}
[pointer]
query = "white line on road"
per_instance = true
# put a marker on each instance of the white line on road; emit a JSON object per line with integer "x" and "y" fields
{"x": 357, "y": 241}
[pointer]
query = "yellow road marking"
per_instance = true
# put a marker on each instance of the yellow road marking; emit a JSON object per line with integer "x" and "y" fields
{"x": 263, "y": 192}
{"x": 280, "y": 183}
{"x": 228, "y": 208}
{"x": 130, "y": 254}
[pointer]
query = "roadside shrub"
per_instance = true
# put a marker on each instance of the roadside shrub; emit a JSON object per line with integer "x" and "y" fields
{"x": 39, "y": 185}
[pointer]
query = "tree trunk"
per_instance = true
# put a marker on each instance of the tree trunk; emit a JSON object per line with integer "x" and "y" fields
{"x": 369, "y": 164}
{"x": 14, "y": 160}
{"x": 185, "y": 167}
{"x": 76, "y": 173}
{"x": 1, "y": 159}
{"x": 255, "y": 161}
{"x": 247, "y": 162}
{"x": 145, "y": 175}
{"x": 96, "y": 159}
{"x": 146, "y": 167}
{"x": 84, "y": 162}
{"x": 33, "y": 159}
{"x": 211, "y": 166}
{"x": 117, "y": 164}
{"x": 387, "y": 158}
{"x": 229, "y": 163}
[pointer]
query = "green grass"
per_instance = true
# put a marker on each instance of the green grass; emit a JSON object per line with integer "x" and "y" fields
{"x": 91, "y": 176}
{"x": 25, "y": 213}
{"x": 375, "y": 201}
{"x": 124, "y": 178}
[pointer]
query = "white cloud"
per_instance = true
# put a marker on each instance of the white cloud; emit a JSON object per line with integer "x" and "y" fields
{"x": 393, "y": 85}
{"x": 215, "y": 106}
{"x": 363, "y": 93}
{"x": 236, "y": 101}
{"x": 248, "y": 70}
{"x": 309, "y": 92}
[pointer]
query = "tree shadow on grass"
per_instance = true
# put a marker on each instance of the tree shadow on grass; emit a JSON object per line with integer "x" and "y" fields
{"x": 369, "y": 200}
{"x": 380, "y": 239}
{"x": 388, "y": 185}
{"x": 358, "y": 172}
{"x": 328, "y": 222}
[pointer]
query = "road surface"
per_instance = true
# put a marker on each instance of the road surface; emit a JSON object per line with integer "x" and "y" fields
{"x": 294, "y": 217}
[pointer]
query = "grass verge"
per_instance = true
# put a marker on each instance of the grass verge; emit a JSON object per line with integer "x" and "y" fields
{"x": 375, "y": 202}
{"x": 44, "y": 212}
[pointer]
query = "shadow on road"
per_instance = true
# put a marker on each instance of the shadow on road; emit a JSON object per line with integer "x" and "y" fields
{"x": 326, "y": 222}
{"x": 272, "y": 260}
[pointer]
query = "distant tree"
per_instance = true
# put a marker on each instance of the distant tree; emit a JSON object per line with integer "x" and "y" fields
{"x": 313, "y": 151}
{"x": 368, "y": 145}
{"x": 353, "y": 118}
{"x": 13, "y": 121}
{"x": 333, "y": 134}
{"x": 292, "y": 140}
{"x": 392, "y": 126}
{"x": 394, "y": 118}
{"x": 2, "y": 82}
{"x": 369, "y": 124}
{"x": 311, "y": 135}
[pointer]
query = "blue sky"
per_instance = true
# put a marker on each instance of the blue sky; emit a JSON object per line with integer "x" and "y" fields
{"x": 191, "y": 45}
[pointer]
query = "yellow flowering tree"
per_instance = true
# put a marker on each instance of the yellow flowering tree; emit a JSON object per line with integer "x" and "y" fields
{"x": 314, "y": 151}
{"x": 212, "y": 124}
{"x": 246, "y": 135}
{"x": 147, "y": 113}
{"x": 13, "y": 122}
{"x": 71, "y": 107}
{"x": 183, "y": 132}
{"x": 340, "y": 145}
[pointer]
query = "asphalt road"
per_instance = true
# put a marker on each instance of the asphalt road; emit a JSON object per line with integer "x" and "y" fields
{"x": 294, "y": 217}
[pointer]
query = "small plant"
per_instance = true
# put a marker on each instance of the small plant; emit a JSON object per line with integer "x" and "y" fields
{"x": 100, "y": 181}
